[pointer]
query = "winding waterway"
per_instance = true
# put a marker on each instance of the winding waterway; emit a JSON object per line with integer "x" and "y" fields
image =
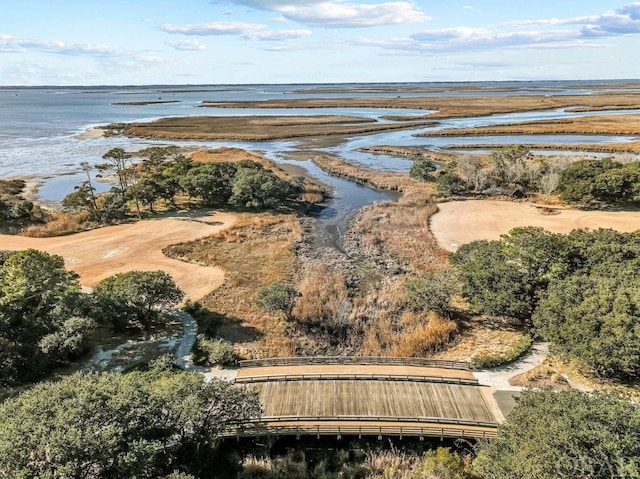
{"x": 39, "y": 130}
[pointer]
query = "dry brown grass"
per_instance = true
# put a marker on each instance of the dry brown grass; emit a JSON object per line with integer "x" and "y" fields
{"x": 255, "y": 128}
{"x": 410, "y": 152}
{"x": 323, "y": 294}
{"x": 359, "y": 174}
{"x": 58, "y": 224}
{"x": 454, "y": 106}
{"x": 586, "y": 125}
{"x": 256, "y": 251}
{"x": 394, "y": 230}
{"x": 632, "y": 147}
{"x": 415, "y": 335}
{"x": 477, "y": 339}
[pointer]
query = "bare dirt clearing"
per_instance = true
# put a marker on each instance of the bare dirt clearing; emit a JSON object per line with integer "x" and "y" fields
{"x": 97, "y": 254}
{"x": 460, "y": 222}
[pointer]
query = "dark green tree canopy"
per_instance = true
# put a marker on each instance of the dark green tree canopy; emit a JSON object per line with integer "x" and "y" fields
{"x": 258, "y": 188}
{"x": 141, "y": 424}
{"x": 38, "y": 300}
{"x": 570, "y": 434}
{"x": 135, "y": 298}
{"x": 601, "y": 181}
{"x": 581, "y": 291}
{"x": 421, "y": 169}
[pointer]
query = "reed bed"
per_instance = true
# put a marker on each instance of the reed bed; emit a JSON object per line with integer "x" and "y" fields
{"x": 587, "y": 125}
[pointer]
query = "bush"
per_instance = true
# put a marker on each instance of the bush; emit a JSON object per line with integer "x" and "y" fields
{"x": 217, "y": 352}
{"x": 135, "y": 298}
{"x": 421, "y": 170}
{"x": 277, "y": 298}
{"x": 259, "y": 189}
{"x": 519, "y": 348}
{"x": 433, "y": 291}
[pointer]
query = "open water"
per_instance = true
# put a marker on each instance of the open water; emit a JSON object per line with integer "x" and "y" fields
{"x": 39, "y": 128}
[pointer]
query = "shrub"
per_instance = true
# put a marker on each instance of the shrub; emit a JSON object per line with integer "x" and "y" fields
{"x": 217, "y": 352}
{"x": 519, "y": 348}
{"x": 433, "y": 291}
{"x": 277, "y": 298}
{"x": 421, "y": 170}
{"x": 552, "y": 434}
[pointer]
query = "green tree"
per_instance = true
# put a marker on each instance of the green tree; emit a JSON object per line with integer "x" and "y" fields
{"x": 448, "y": 183}
{"x": 83, "y": 199}
{"x": 507, "y": 277}
{"x": 136, "y": 298}
{"x": 433, "y": 291}
{"x": 578, "y": 183}
{"x": 211, "y": 182}
{"x": 38, "y": 296}
{"x": 491, "y": 283}
{"x": 553, "y": 434}
{"x": 421, "y": 169}
{"x": 594, "y": 320}
{"x": 108, "y": 425}
{"x": 277, "y": 298}
{"x": 117, "y": 160}
{"x": 257, "y": 188}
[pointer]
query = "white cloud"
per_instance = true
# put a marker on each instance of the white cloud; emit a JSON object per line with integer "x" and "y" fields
{"x": 13, "y": 44}
{"x": 623, "y": 21}
{"x": 190, "y": 44}
{"x": 340, "y": 13}
{"x": 468, "y": 7}
{"x": 578, "y": 32}
{"x": 464, "y": 38}
{"x": 213, "y": 28}
{"x": 278, "y": 35}
{"x": 248, "y": 31}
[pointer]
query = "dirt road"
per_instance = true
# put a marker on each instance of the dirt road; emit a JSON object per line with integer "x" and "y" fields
{"x": 460, "y": 222}
{"x": 96, "y": 254}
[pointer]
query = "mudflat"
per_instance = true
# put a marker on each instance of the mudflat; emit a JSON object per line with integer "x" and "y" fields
{"x": 460, "y": 222}
{"x": 100, "y": 253}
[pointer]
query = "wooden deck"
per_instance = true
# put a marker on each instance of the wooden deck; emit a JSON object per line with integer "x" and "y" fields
{"x": 384, "y": 399}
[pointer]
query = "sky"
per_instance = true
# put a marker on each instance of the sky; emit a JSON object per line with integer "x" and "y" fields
{"x": 136, "y": 42}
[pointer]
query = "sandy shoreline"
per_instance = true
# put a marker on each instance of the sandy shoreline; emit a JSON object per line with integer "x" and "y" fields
{"x": 90, "y": 134}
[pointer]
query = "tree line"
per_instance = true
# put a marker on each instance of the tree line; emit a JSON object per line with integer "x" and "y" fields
{"x": 512, "y": 171}
{"x": 169, "y": 177}
{"x": 579, "y": 291}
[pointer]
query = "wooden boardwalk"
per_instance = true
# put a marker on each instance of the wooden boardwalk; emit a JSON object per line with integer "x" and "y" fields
{"x": 380, "y": 398}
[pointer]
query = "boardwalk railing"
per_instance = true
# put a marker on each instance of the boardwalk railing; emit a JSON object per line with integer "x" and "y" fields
{"x": 355, "y": 360}
{"x": 365, "y": 426}
{"x": 261, "y": 378}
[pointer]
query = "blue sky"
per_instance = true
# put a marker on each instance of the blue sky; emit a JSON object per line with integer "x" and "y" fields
{"x": 87, "y": 42}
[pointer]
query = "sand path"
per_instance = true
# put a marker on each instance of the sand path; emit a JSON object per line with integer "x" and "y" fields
{"x": 99, "y": 253}
{"x": 460, "y": 222}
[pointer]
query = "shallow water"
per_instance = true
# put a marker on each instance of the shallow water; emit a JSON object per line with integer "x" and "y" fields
{"x": 38, "y": 128}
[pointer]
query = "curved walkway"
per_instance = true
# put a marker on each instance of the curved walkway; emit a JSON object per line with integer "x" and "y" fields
{"x": 184, "y": 356}
{"x": 499, "y": 377}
